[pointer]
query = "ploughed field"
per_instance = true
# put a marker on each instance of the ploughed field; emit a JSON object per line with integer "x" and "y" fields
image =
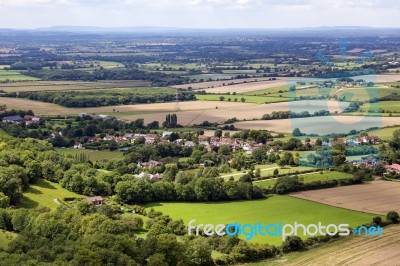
{"x": 351, "y": 250}
{"x": 378, "y": 197}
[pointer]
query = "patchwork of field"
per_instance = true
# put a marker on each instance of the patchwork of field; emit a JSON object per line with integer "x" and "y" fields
{"x": 320, "y": 125}
{"x": 378, "y": 197}
{"x": 69, "y": 85}
{"x": 11, "y": 75}
{"x": 276, "y": 209}
{"x": 346, "y": 251}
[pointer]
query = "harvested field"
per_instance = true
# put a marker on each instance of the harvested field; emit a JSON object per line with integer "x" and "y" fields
{"x": 351, "y": 250}
{"x": 241, "y": 112}
{"x": 320, "y": 125}
{"x": 69, "y": 85}
{"x": 378, "y": 197}
{"x": 41, "y": 108}
{"x": 219, "y": 83}
{"x": 264, "y": 83}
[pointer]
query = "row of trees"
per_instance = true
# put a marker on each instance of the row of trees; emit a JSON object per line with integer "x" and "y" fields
{"x": 104, "y": 97}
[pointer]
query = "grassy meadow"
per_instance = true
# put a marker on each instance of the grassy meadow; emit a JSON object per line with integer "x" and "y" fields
{"x": 44, "y": 194}
{"x": 276, "y": 209}
{"x": 308, "y": 178}
{"x": 94, "y": 155}
{"x": 14, "y": 76}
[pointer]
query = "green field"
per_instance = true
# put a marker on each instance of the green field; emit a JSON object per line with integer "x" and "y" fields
{"x": 249, "y": 99}
{"x": 93, "y": 155}
{"x": 385, "y": 106}
{"x": 14, "y": 76}
{"x": 44, "y": 193}
{"x": 364, "y": 93}
{"x": 267, "y": 170}
{"x": 6, "y": 238}
{"x": 385, "y": 134}
{"x": 276, "y": 209}
{"x": 308, "y": 178}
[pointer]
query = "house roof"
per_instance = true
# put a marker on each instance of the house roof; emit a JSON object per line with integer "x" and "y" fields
{"x": 13, "y": 118}
{"x": 93, "y": 199}
{"x": 395, "y": 166}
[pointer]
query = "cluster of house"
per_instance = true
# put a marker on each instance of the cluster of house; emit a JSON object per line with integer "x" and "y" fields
{"x": 352, "y": 141}
{"x": 17, "y": 119}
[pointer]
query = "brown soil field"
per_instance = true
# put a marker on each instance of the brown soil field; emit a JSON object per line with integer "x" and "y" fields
{"x": 320, "y": 125}
{"x": 69, "y": 85}
{"x": 378, "y": 197}
{"x": 346, "y": 251}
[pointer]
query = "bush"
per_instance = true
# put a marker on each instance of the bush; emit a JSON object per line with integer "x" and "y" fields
{"x": 392, "y": 216}
{"x": 292, "y": 243}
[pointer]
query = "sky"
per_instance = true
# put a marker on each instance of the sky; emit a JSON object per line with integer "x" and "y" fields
{"x": 199, "y": 13}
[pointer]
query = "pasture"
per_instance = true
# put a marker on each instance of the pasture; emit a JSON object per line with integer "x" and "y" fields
{"x": 275, "y": 209}
{"x": 364, "y": 93}
{"x": 320, "y": 125}
{"x": 10, "y": 75}
{"x": 377, "y": 197}
{"x": 351, "y": 250}
{"x": 308, "y": 178}
{"x": 382, "y": 106}
{"x": 267, "y": 170}
{"x": 385, "y": 134}
{"x": 93, "y": 155}
{"x": 44, "y": 194}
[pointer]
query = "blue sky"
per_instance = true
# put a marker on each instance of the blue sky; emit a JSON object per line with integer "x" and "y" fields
{"x": 199, "y": 13}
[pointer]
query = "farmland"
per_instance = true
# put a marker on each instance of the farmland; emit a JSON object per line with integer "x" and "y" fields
{"x": 352, "y": 250}
{"x": 238, "y": 98}
{"x": 384, "y": 133}
{"x": 9, "y": 75}
{"x": 308, "y": 178}
{"x": 358, "y": 197}
{"x": 241, "y": 111}
{"x": 320, "y": 125}
{"x": 269, "y": 210}
{"x": 44, "y": 194}
{"x": 69, "y": 85}
{"x": 268, "y": 170}
{"x": 383, "y": 106}
{"x": 93, "y": 155}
